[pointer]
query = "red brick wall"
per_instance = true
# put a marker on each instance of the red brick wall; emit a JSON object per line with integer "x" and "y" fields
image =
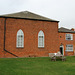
{"x": 1, "y": 37}
{"x": 63, "y": 40}
{"x": 30, "y": 29}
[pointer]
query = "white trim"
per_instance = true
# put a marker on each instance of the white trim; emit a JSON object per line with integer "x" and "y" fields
{"x": 71, "y": 36}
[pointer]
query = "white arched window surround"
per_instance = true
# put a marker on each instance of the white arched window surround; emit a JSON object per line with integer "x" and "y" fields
{"x": 41, "y": 39}
{"x": 20, "y": 39}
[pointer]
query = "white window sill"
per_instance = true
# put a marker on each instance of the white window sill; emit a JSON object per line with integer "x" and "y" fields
{"x": 69, "y": 40}
{"x": 69, "y": 50}
{"x": 19, "y": 47}
{"x": 40, "y": 47}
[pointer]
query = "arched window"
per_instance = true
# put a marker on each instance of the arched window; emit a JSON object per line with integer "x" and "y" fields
{"x": 20, "y": 38}
{"x": 41, "y": 39}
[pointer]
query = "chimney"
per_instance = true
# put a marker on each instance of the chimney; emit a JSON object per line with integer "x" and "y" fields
{"x": 72, "y": 29}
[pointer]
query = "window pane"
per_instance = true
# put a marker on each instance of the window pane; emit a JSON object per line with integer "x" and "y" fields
{"x": 41, "y": 41}
{"x": 69, "y": 37}
{"x": 69, "y": 47}
{"x": 20, "y": 38}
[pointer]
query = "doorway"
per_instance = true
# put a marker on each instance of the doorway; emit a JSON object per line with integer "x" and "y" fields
{"x": 61, "y": 50}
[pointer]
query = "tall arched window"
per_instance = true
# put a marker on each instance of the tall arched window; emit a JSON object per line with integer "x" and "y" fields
{"x": 20, "y": 38}
{"x": 41, "y": 39}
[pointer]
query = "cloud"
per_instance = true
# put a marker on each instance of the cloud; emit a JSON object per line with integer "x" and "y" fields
{"x": 62, "y": 10}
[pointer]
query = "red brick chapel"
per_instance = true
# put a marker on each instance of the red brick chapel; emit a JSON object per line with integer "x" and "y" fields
{"x": 26, "y": 34}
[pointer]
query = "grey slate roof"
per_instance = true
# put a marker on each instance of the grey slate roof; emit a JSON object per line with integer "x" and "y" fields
{"x": 27, "y": 15}
{"x": 65, "y": 30}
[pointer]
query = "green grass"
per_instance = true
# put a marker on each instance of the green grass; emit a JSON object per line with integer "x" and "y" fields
{"x": 37, "y": 66}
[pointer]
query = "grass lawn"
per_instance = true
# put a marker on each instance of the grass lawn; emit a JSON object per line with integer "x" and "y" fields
{"x": 37, "y": 66}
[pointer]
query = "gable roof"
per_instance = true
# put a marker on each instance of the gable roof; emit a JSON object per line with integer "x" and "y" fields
{"x": 27, "y": 15}
{"x": 65, "y": 30}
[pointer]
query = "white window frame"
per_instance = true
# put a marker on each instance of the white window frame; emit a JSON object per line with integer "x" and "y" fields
{"x": 41, "y": 39}
{"x": 69, "y": 36}
{"x": 68, "y": 46}
{"x": 20, "y": 39}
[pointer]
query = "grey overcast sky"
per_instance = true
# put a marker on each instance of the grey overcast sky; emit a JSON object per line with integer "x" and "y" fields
{"x": 61, "y": 10}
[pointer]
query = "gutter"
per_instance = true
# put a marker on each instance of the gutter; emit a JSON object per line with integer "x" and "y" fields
{"x": 4, "y": 31}
{"x": 4, "y": 34}
{"x": 29, "y": 19}
{"x": 5, "y": 39}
